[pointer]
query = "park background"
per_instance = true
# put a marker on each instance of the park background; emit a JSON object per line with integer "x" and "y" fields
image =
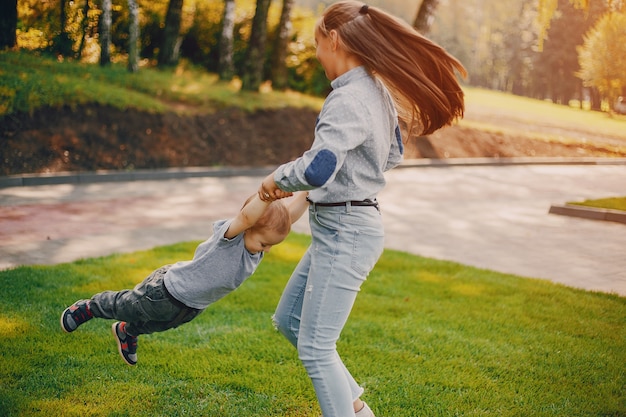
{"x": 443, "y": 339}
{"x": 197, "y": 81}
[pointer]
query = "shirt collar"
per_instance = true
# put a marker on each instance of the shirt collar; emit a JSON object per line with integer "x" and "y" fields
{"x": 351, "y": 75}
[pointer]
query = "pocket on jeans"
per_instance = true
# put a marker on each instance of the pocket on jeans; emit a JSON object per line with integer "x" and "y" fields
{"x": 327, "y": 220}
{"x": 367, "y": 248}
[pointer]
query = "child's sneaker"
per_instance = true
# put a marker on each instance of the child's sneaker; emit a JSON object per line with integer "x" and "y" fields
{"x": 126, "y": 344}
{"x": 75, "y": 315}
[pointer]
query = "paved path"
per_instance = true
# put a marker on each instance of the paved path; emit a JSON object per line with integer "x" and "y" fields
{"x": 493, "y": 217}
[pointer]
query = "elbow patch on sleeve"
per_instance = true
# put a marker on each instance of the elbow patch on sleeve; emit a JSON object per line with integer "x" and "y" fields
{"x": 399, "y": 139}
{"x": 321, "y": 168}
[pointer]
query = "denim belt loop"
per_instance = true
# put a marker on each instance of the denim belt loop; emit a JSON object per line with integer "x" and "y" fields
{"x": 348, "y": 206}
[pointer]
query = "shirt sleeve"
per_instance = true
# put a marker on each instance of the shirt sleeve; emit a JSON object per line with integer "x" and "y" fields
{"x": 341, "y": 126}
{"x": 220, "y": 227}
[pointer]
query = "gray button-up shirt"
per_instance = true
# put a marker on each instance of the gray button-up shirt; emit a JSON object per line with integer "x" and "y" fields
{"x": 356, "y": 139}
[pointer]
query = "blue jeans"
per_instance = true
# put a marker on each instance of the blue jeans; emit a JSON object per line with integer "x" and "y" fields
{"x": 315, "y": 305}
{"x": 147, "y": 308}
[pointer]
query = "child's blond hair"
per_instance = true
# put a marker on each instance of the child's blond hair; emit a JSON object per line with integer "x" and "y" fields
{"x": 276, "y": 217}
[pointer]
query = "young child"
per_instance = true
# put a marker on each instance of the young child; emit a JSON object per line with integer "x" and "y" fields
{"x": 175, "y": 294}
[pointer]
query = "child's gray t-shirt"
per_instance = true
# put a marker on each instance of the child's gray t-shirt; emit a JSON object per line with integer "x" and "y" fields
{"x": 218, "y": 267}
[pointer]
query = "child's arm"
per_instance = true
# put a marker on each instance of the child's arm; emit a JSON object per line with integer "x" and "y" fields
{"x": 247, "y": 216}
{"x": 298, "y": 205}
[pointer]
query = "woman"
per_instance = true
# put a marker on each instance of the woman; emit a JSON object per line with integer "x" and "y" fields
{"x": 385, "y": 76}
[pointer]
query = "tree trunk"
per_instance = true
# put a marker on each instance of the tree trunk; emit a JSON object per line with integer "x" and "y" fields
{"x": 8, "y": 23}
{"x": 226, "y": 66}
{"x": 168, "y": 55}
{"x": 105, "y": 33}
{"x": 279, "y": 74}
{"x": 425, "y": 16}
{"x": 133, "y": 49}
{"x": 63, "y": 42}
{"x": 596, "y": 100}
{"x": 83, "y": 26}
{"x": 255, "y": 56}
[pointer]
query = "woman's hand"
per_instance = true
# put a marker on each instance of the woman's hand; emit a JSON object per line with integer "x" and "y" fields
{"x": 269, "y": 191}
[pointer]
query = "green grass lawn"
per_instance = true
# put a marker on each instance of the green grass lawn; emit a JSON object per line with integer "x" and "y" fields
{"x": 28, "y": 82}
{"x": 426, "y": 338}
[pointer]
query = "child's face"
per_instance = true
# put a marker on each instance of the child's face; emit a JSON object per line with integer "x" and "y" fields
{"x": 261, "y": 240}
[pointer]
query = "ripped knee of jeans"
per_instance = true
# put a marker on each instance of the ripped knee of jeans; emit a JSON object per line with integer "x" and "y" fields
{"x": 287, "y": 330}
{"x": 275, "y": 322}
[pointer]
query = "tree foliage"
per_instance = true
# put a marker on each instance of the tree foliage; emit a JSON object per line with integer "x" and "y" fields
{"x": 526, "y": 47}
{"x": 603, "y": 56}
{"x": 547, "y": 10}
{"x": 498, "y": 42}
{"x": 558, "y": 60}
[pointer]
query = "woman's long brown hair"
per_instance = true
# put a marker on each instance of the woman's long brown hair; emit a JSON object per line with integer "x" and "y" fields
{"x": 419, "y": 73}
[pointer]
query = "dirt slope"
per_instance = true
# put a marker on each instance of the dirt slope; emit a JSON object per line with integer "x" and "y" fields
{"x": 93, "y": 138}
